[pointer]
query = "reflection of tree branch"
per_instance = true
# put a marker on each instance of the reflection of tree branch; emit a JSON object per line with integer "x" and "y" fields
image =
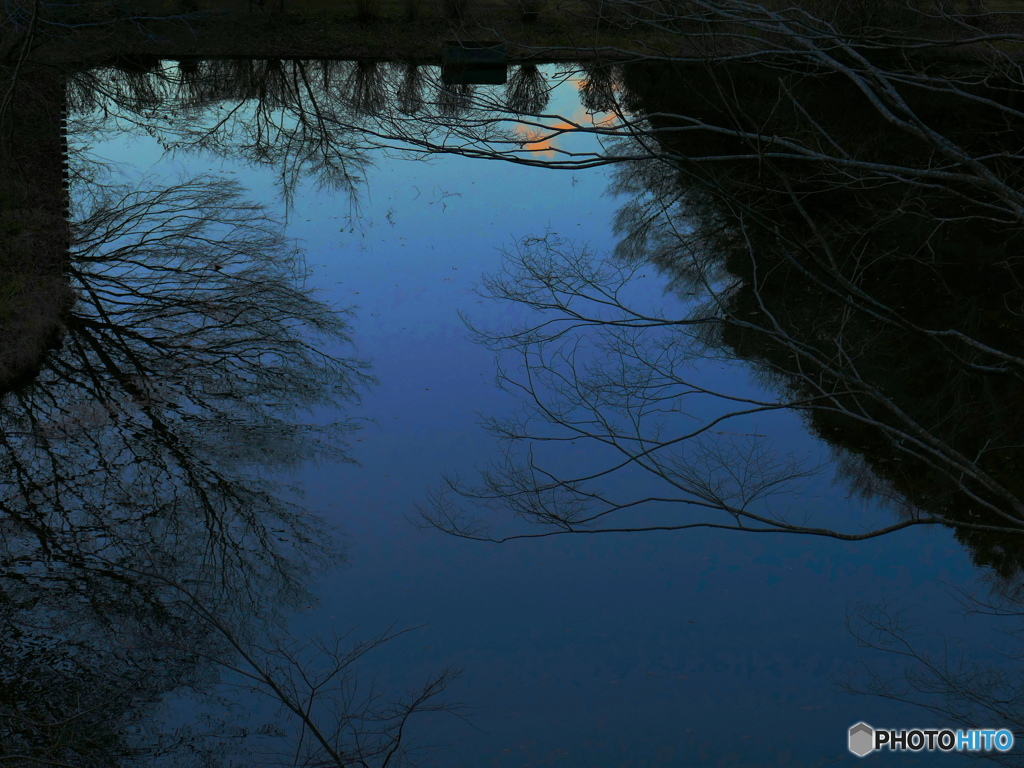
{"x": 140, "y": 460}
{"x": 338, "y": 726}
{"x": 595, "y": 368}
{"x": 943, "y": 681}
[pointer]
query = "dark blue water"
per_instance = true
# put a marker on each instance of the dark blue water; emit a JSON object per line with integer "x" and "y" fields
{"x": 685, "y": 648}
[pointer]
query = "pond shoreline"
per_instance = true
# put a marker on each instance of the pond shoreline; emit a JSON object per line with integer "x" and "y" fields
{"x": 309, "y": 35}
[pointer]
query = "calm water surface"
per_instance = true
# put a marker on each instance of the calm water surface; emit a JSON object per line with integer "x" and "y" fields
{"x": 697, "y": 647}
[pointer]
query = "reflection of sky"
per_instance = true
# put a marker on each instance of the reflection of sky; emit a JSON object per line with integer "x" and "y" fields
{"x": 694, "y": 648}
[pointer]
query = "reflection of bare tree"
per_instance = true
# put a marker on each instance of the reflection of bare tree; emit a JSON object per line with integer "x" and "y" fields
{"x": 298, "y": 117}
{"x": 315, "y": 684}
{"x": 597, "y": 370}
{"x": 144, "y": 544}
{"x": 80, "y": 678}
{"x": 454, "y": 99}
{"x": 598, "y": 89}
{"x": 367, "y": 85}
{"x": 527, "y": 90}
{"x": 188, "y": 356}
{"x": 129, "y": 461}
{"x": 942, "y": 675}
{"x": 410, "y": 91}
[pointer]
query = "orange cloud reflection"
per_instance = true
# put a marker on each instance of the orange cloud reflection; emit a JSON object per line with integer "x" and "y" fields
{"x": 546, "y": 147}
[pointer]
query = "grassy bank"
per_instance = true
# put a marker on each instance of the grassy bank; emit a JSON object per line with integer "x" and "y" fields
{"x": 393, "y": 29}
{"x": 548, "y": 30}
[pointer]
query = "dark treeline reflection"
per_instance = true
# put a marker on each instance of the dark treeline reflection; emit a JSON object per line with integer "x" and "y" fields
{"x": 315, "y": 119}
{"x": 880, "y": 290}
{"x": 144, "y": 547}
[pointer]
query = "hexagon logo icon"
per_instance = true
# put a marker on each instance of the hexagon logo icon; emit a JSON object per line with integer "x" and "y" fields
{"x": 862, "y": 739}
